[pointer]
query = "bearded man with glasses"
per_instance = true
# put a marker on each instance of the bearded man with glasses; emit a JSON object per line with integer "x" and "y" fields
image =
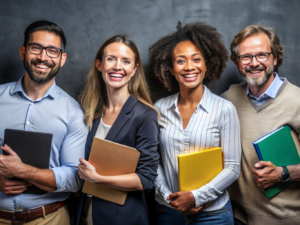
{"x": 264, "y": 103}
{"x": 52, "y": 52}
{"x": 35, "y": 103}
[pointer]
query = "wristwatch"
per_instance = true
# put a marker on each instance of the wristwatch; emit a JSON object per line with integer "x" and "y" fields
{"x": 285, "y": 176}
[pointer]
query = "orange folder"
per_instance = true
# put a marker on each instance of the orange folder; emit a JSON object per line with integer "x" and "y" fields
{"x": 110, "y": 159}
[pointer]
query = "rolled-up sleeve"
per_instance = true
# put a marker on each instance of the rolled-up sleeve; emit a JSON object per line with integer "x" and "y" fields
{"x": 146, "y": 144}
{"x": 66, "y": 176}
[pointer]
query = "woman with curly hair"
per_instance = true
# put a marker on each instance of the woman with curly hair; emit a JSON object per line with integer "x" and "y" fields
{"x": 193, "y": 120}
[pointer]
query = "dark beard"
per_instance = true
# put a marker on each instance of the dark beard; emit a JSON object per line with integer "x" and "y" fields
{"x": 43, "y": 79}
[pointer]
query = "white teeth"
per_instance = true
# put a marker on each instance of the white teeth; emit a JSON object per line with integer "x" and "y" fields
{"x": 255, "y": 71}
{"x": 190, "y": 75}
{"x": 116, "y": 75}
{"x": 42, "y": 66}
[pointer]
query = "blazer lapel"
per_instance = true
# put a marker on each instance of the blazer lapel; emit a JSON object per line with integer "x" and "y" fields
{"x": 117, "y": 126}
{"x": 122, "y": 118}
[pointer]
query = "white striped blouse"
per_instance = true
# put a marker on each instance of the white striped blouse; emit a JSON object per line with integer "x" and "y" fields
{"x": 214, "y": 124}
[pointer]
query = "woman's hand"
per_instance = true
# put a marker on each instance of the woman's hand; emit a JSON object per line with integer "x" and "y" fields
{"x": 125, "y": 182}
{"x": 184, "y": 202}
{"x": 88, "y": 172}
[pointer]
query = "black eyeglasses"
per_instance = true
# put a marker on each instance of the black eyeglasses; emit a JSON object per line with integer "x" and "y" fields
{"x": 260, "y": 57}
{"x": 37, "y": 49}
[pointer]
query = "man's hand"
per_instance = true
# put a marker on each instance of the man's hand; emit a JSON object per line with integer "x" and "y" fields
{"x": 267, "y": 174}
{"x": 13, "y": 187}
{"x": 10, "y": 165}
{"x": 88, "y": 172}
{"x": 184, "y": 202}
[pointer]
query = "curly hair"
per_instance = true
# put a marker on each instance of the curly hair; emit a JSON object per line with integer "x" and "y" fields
{"x": 255, "y": 29}
{"x": 206, "y": 39}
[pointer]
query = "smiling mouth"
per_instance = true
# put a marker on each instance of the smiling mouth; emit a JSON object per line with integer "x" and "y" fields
{"x": 116, "y": 75}
{"x": 190, "y": 75}
{"x": 254, "y": 71}
{"x": 41, "y": 66}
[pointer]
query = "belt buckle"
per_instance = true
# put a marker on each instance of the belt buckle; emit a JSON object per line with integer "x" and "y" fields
{"x": 14, "y": 217}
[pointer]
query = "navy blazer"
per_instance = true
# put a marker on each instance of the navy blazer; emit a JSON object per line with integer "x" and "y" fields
{"x": 136, "y": 126}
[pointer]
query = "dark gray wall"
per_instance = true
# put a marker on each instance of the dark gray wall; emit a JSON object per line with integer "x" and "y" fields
{"x": 87, "y": 24}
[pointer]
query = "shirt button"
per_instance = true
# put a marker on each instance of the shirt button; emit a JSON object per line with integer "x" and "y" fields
{"x": 31, "y": 103}
{"x": 28, "y": 122}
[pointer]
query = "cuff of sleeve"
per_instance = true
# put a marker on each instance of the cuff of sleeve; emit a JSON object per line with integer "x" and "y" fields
{"x": 197, "y": 200}
{"x": 60, "y": 178}
{"x": 146, "y": 183}
{"x": 166, "y": 195}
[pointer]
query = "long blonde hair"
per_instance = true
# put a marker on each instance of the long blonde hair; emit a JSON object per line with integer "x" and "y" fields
{"x": 93, "y": 98}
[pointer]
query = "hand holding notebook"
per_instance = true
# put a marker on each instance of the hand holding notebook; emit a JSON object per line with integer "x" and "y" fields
{"x": 267, "y": 174}
{"x": 281, "y": 148}
{"x": 33, "y": 148}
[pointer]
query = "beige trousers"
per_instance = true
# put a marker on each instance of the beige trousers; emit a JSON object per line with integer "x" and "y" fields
{"x": 60, "y": 217}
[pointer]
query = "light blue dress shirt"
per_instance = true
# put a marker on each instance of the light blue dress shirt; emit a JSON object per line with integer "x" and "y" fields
{"x": 269, "y": 93}
{"x": 57, "y": 113}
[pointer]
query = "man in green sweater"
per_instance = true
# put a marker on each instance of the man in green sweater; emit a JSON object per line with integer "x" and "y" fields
{"x": 264, "y": 103}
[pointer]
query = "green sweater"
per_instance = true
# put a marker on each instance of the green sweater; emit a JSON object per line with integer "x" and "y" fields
{"x": 249, "y": 202}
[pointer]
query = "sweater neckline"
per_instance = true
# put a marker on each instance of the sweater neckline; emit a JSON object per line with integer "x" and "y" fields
{"x": 258, "y": 108}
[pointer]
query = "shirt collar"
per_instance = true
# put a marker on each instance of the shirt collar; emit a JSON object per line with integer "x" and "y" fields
{"x": 205, "y": 102}
{"x": 272, "y": 89}
{"x": 51, "y": 92}
{"x": 18, "y": 86}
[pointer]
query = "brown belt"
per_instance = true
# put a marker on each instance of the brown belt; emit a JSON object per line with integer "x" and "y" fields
{"x": 29, "y": 215}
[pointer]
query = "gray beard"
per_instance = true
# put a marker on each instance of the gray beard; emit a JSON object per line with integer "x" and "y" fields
{"x": 255, "y": 81}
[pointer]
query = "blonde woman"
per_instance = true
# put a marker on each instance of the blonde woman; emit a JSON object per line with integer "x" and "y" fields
{"x": 118, "y": 108}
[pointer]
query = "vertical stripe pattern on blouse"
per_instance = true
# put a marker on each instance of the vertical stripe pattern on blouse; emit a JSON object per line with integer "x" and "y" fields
{"x": 213, "y": 124}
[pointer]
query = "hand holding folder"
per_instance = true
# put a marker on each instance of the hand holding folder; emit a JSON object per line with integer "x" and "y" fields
{"x": 110, "y": 159}
{"x": 199, "y": 168}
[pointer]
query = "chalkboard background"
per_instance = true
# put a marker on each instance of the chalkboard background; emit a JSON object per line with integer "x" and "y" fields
{"x": 87, "y": 24}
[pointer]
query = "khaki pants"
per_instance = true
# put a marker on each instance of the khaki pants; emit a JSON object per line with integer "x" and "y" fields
{"x": 60, "y": 217}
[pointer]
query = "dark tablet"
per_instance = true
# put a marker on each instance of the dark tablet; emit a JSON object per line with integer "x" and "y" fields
{"x": 33, "y": 148}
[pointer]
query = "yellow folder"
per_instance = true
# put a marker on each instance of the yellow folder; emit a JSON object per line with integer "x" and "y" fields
{"x": 199, "y": 168}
